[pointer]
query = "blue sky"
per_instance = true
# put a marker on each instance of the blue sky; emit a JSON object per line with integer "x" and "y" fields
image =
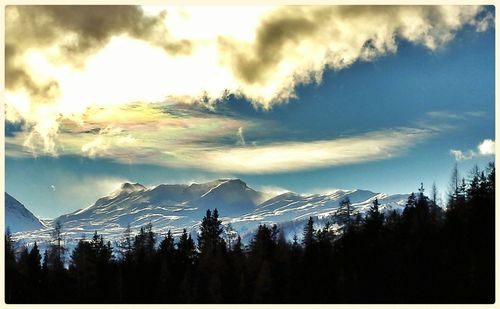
{"x": 429, "y": 101}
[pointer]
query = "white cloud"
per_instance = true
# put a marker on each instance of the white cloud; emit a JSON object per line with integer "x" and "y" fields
{"x": 259, "y": 52}
{"x": 98, "y": 145}
{"x": 484, "y": 23}
{"x": 485, "y": 148}
{"x": 87, "y": 189}
{"x": 203, "y": 144}
{"x": 269, "y": 192}
{"x": 445, "y": 114}
{"x": 460, "y": 155}
{"x": 241, "y": 137}
{"x": 294, "y": 45}
{"x": 272, "y": 191}
{"x": 107, "y": 138}
{"x": 296, "y": 156}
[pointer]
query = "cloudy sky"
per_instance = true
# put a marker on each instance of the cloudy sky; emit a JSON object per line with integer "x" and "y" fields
{"x": 286, "y": 98}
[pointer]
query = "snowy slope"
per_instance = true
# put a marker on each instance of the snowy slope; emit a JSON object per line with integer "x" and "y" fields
{"x": 289, "y": 209}
{"x": 18, "y": 218}
{"x": 165, "y": 206}
{"x": 178, "y": 206}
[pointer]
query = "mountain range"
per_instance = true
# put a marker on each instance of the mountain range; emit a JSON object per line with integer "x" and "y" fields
{"x": 178, "y": 206}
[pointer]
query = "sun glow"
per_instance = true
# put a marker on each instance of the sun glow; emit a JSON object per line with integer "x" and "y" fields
{"x": 188, "y": 54}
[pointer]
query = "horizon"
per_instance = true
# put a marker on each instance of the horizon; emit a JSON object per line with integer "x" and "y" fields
{"x": 175, "y": 98}
{"x": 270, "y": 192}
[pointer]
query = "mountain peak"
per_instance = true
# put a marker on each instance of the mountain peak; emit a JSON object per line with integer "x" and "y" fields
{"x": 132, "y": 187}
{"x": 18, "y": 217}
{"x": 232, "y": 181}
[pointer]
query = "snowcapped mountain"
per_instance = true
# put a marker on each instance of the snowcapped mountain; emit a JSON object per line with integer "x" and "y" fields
{"x": 18, "y": 218}
{"x": 165, "y": 206}
{"x": 177, "y": 206}
{"x": 291, "y": 210}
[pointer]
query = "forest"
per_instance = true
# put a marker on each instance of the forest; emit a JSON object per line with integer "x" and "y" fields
{"x": 425, "y": 254}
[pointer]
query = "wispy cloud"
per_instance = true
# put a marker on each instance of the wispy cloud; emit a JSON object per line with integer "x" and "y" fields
{"x": 272, "y": 191}
{"x": 84, "y": 189}
{"x": 138, "y": 132}
{"x": 485, "y": 148}
{"x": 460, "y": 155}
{"x": 444, "y": 114}
{"x": 213, "y": 142}
{"x": 295, "y": 156}
{"x": 241, "y": 137}
{"x": 107, "y": 138}
{"x": 445, "y": 120}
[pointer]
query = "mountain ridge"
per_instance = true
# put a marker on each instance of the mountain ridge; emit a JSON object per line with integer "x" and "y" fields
{"x": 18, "y": 218}
{"x": 178, "y": 206}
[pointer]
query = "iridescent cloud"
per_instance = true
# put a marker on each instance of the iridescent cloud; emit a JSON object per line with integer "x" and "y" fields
{"x": 93, "y": 80}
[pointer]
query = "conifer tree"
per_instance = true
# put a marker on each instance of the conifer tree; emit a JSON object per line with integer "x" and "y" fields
{"x": 434, "y": 195}
{"x": 325, "y": 235}
{"x": 22, "y": 262}
{"x": 344, "y": 212}
{"x": 473, "y": 190}
{"x": 82, "y": 267}
{"x": 167, "y": 247}
{"x": 126, "y": 244}
{"x": 210, "y": 237}
{"x": 309, "y": 234}
{"x": 150, "y": 240}
{"x": 34, "y": 267}
{"x": 491, "y": 178}
{"x": 454, "y": 186}
{"x": 262, "y": 245}
{"x": 144, "y": 244}
{"x": 374, "y": 218}
{"x": 167, "y": 254}
{"x": 186, "y": 248}
{"x": 10, "y": 268}
{"x": 56, "y": 250}
{"x": 236, "y": 248}
{"x": 412, "y": 201}
{"x": 10, "y": 252}
{"x": 230, "y": 235}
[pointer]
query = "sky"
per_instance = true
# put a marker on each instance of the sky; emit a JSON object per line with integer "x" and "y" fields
{"x": 306, "y": 99}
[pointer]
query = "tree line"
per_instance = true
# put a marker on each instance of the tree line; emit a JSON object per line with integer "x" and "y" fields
{"x": 422, "y": 255}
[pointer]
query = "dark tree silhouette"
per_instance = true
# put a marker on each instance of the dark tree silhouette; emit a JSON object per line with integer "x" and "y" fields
{"x": 344, "y": 212}
{"x": 309, "y": 234}
{"x": 210, "y": 238}
{"x": 422, "y": 255}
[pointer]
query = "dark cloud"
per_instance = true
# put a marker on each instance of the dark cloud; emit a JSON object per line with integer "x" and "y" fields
{"x": 12, "y": 127}
{"x": 16, "y": 75}
{"x": 362, "y": 32}
{"x": 272, "y": 37}
{"x": 288, "y": 27}
{"x": 78, "y": 31}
